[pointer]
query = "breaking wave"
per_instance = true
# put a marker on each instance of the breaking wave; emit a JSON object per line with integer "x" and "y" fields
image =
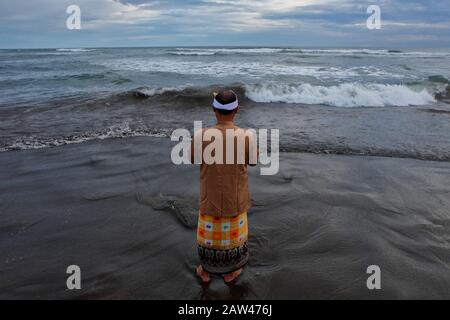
{"x": 300, "y": 51}
{"x": 343, "y": 95}
{"x": 123, "y": 130}
{"x": 146, "y": 92}
{"x": 217, "y": 51}
{"x": 74, "y": 50}
{"x": 371, "y": 52}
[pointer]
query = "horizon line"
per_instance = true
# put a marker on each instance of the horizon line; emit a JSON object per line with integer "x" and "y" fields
{"x": 227, "y": 46}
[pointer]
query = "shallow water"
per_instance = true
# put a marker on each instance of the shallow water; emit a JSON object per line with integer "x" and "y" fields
{"x": 121, "y": 211}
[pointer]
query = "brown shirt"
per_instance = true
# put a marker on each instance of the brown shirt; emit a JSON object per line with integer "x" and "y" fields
{"x": 224, "y": 183}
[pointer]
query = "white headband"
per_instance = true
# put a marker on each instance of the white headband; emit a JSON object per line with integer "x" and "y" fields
{"x": 229, "y": 106}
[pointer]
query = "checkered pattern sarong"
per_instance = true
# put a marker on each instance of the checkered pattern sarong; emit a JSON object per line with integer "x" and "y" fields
{"x": 222, "y": 243}
{"x": 222, "y": 233}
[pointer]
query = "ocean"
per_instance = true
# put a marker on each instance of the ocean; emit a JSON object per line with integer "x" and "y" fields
{"x": 86, "y": 177}
{"x": 356, "y": 101}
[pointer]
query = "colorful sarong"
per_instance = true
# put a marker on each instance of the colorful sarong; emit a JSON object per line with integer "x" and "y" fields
{"x": 222, "y": 242}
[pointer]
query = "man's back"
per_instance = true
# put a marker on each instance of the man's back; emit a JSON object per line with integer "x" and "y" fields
{"x": 223, "y": 179}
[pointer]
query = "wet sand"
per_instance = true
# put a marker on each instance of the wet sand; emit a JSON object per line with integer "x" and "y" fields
{"x": 121, "y": 211}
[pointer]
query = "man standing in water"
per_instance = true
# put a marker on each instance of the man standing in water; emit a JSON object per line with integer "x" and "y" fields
{"x": 222, "y": 231}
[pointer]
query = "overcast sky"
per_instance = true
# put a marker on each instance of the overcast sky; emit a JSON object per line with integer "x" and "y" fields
{"x": 327, "y": 23}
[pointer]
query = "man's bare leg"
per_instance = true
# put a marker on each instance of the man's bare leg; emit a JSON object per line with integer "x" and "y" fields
{"x": 202, "y": 274}
{"x": 232, "y": 276}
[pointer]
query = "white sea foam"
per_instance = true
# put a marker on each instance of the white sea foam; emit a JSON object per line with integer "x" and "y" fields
{"x": 343, "y": 95}
{"x": 251, "y": 69}
{"x": 153, "y": 91}
{"x": 213, "y": 51}
{"x": 371, "y": 52}
{"x": 334, "y": 52}
{"x": 123, "y": 130}
{"x": 75, "y": 50}
{"x": 193, "y": 53}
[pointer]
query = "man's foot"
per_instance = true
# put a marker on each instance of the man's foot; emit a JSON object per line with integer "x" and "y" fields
{"x": 202, "y": 274}
{"x": 232, "y": 276}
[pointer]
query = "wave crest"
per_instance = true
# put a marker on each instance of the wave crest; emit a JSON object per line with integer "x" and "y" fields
{"x": 223, "y": 51}
{"x": 74, "y": 50}
{"x": 300, "y": 51}
{"x": 343, "y": 95}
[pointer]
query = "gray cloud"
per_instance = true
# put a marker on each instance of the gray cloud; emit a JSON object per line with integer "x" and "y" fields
{"x": 251, "y": 22}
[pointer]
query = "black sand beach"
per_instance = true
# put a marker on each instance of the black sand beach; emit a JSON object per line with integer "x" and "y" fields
{"x": 126, "y": 215}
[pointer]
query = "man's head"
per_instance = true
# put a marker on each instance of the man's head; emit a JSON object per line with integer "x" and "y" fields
{"x": 225, "y": 105}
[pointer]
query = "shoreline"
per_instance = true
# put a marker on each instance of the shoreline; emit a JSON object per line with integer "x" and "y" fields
{"x": 314, "y": 149}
